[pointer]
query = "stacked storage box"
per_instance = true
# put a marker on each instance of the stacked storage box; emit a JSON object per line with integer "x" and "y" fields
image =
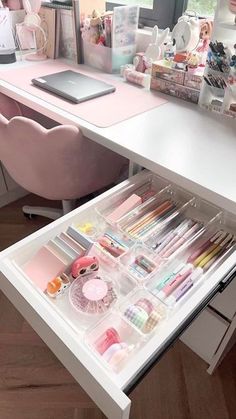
{"x": 182, "y": 84}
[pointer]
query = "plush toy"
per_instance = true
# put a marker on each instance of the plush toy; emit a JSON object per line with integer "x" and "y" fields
{"x": 193, "y": 60}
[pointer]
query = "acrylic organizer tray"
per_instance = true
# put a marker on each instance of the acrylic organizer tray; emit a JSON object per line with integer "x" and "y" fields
{"x": 178, "y": 279}
{"x": 155, "y": 213}
{"x": 131, "y": 196}
{"x": 116, "y": 291}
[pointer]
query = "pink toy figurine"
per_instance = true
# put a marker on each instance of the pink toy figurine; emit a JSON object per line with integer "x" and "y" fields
{"x": 84, "y": 265}
{"x": 140, "y": 62}
{"x": 205, "y": 35}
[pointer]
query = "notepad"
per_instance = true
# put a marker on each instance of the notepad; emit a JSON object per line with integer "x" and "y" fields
{"x": 43, "y": 267}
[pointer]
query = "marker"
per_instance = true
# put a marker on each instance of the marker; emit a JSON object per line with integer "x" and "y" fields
{"x": 179, "y": 233}
{"x": 203, "y": 247}
{"x": 168, "y": 278}
{"x": 175, "y": 282}
{"x": 184, "y": 287}
{"x": 171, "y": 235}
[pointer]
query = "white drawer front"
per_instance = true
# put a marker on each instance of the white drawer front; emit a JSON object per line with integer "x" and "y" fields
{"x": 61, "y": 328}
{"x": 205, "y": 334}
{"x": 225, "y": 302}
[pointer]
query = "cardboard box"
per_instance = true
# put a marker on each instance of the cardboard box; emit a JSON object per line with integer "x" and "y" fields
{"x": 174, "y": 89}
{"x": 160, "y": 70}
{"x": 194, "y": 79}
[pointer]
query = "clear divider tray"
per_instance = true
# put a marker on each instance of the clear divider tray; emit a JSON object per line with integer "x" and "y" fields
{"x": 178, "y": 279}
{"x": 155, "y": 213}
{"x": 144, "y": 311}
{"x": 131, "y": 196}
{"x": 189, "y": 224}
{"x": 113, "y": 341}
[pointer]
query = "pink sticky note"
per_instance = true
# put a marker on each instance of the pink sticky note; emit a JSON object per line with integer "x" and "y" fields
{"x": 126, "y": 206}
{"x": 43, "y": 267}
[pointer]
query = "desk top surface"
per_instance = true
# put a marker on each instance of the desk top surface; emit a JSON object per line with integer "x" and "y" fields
{"x": 179, "y": 141}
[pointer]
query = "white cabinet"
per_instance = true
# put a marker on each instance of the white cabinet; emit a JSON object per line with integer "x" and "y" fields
{"x": 69, "y": 333}
{"x": 205, "y": 334}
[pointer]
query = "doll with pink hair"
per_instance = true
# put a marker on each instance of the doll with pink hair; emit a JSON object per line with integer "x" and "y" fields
{"x": 206, "y": 27}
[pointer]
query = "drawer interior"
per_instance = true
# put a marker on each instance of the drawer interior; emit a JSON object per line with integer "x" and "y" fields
{"x": 102, "y": 281}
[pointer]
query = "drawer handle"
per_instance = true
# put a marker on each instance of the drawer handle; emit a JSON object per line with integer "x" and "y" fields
{"x": 229, "y": 277}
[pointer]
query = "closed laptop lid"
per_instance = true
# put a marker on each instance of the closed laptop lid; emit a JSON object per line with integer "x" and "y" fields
{"x": 73, "y": 86}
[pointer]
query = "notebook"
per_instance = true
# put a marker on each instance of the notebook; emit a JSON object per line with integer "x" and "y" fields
{"x": 73, "y": 86}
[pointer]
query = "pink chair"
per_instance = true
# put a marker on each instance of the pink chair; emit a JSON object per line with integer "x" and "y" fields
{"x": 57, "y": 163}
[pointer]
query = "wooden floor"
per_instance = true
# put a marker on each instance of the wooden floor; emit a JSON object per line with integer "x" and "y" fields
{"x": 34, "y": 384}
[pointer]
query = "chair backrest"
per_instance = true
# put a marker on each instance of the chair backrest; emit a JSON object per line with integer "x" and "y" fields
{"x": 9, "y": 107}
{"x": 57, "y": 163}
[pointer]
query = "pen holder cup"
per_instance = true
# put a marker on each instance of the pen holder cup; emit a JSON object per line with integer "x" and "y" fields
{"x": 113, "y": 340}
{"x": 217, "y": 92}
{"x": 107, "y": 59}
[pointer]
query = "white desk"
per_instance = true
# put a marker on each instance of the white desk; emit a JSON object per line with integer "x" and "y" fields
{"x": 182, "y": 143}
{"x": 178, "y": 140}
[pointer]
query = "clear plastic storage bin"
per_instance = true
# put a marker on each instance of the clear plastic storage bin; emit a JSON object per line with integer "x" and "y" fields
{"x": 107, "y": 59}
{"x": 113, "y": 341}
{"x": 144, "y": 311}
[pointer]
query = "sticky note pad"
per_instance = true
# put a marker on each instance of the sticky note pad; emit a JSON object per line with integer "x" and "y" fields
{"x": 43, "y": 267}
{"x": 126, "y": 206}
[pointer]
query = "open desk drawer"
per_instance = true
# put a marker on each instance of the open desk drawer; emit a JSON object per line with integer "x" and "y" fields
{"x": 69, "y": 335}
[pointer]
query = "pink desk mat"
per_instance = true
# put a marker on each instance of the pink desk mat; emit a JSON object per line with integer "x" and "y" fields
{"x": 127, "y": 101}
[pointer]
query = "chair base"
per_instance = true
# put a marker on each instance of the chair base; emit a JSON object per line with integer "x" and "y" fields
{"x": 52, "y": 213}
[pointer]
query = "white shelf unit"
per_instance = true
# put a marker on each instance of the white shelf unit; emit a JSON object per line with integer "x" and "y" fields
{"x": 224, "y": 30}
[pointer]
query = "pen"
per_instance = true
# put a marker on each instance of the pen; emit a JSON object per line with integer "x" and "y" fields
{"x": 150, "y": 216}
{"x": 168, "y": 277}
{"x": 169, "y": 236}
{"x": 179, "y": 232}
{"x": 209, "y": 250}
{"x": 157, "y": 222}
{"x": 215, "y": 251}
{"x": 166, "y": 238}
{"x": 190, "y": 281}
{"x": 176, "y": 281}
{"x": 182, "y": 289}
{"x": 204, "y": 246}
{"x": 181, "y": 240}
